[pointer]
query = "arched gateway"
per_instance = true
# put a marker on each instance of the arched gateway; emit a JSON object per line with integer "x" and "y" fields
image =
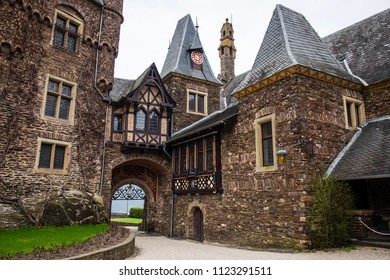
{"x": 153, "y": 176}
{"x": 139, "y": 122}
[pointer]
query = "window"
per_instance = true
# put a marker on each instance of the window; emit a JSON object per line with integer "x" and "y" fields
{"x": 265, "y": 143}
{"x": 140, "y": 120}
{"x": 197, "y": 166}
{"x": 194, "y": 157}
{"x": 66, "y": 32}
{"x": 53, "y": 156}
{"x": 197, "y": 103}
{"x": 153, "y": 122}
{"x": 147, "y": 121}
{"x": 354, "y": 112}
{"x": 117, "y": 123}
{"x": 59, "y": 99}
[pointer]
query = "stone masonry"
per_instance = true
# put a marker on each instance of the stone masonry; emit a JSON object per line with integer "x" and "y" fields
{"x": 27, "y": 57}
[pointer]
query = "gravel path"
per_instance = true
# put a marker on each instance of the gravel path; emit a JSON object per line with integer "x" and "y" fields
{"x": 162, "y": 248}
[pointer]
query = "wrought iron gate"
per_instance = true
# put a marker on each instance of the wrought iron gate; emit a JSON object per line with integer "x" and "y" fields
{"x": 129, "y": 192}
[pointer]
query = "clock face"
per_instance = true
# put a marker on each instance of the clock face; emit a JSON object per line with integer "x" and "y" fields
{"x": 197, "y": 57}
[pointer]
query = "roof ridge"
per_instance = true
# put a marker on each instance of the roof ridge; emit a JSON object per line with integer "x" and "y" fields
{"x": 188, "y": 17}
{"x": 356, "y": 23}
{"x": 285, "y": 36}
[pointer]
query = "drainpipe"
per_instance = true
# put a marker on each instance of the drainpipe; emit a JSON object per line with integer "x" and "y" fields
{"x": 172, "y": 212}
{"x": 105, "y": 98}
{"x": 164, "y": 146}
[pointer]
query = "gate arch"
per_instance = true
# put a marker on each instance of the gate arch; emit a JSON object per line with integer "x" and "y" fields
{"x": 150, "y": 177}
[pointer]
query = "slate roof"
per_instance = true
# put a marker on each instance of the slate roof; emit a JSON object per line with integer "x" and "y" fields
{"x": 185, "y": 39}
{"x": 120, "y": 88}
{"x": 123, "y": 87}
{"x": 367, "y": 155}
{"x": 366, "y": 47}
{"x": 226, "y": 92}
{"x": 207, "y": 122}
{"x": 291, "y": 40}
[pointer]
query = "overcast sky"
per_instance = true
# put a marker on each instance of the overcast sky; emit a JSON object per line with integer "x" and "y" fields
{"x": 149, "y": 25}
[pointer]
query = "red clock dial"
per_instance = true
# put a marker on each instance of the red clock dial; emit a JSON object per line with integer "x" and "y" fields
{"x": 197, "y": 57}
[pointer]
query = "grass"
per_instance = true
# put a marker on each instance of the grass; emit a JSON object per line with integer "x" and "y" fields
{"x": 127, "y": 220}
{"x": 27, "y": 240}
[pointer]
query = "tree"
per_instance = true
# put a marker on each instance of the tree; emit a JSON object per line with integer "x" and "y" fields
{"x": 330, "y": 219}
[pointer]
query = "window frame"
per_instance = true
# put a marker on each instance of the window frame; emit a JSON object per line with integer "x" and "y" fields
{"x": 59, "y": 97}
{"x": 51, "y": 169}
{"x": 119, "y": 118}
{"x": 350, "y": 105}
{"x": 260, "y": 167}
{"x": 68, "y": 19}
{"x": 196, "y": 103}
{"x": 182, "y": 157}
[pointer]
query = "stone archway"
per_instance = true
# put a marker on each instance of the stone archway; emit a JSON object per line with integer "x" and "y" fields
{"x": 147, "y": 180}
{"x": 155, "y": 180}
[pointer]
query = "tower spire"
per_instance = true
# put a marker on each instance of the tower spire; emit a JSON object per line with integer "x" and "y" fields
{"x": 227, "y": 52}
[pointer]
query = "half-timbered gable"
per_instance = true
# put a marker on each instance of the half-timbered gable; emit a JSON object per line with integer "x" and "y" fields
{"x": 141, "y": 111}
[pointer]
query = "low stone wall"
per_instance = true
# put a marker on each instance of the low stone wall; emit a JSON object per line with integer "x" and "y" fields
{"x": 119, "y": 251}
{"x": 358, "y": 230}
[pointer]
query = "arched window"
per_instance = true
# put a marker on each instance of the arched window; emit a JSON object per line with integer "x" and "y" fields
{"x": 153, "y": 122}
{"x": 140, "y": 120}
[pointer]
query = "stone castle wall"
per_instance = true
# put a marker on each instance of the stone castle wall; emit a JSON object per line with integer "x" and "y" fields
{"x": 27, "y": 57}
{"x": 157, "y": 186}
{"x": 269, "y": 209}
{"x": 377, "y": 103}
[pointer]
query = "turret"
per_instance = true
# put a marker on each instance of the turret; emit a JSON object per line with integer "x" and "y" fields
{"x": 227, "y": 52}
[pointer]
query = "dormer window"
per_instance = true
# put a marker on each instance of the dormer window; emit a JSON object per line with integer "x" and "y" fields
{"x": 354, "y": 112}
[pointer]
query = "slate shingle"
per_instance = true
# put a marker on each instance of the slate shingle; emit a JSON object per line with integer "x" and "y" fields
{"x": 178, "y": 60}
{"x": 367, "y": 155}
{"x": 291, "y": 40}
{"x": 366, "y": 47}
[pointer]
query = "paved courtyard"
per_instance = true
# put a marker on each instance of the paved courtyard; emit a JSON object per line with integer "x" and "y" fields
{"x": 163, "y": 248}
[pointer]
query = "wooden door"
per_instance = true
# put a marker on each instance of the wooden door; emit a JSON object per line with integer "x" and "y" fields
{"x": 198, "y": 225}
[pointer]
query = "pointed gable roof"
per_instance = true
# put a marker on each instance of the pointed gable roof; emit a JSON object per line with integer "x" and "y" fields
{"x": 291, "y": 40}
{"x": 366, "y": 46}
{"x": 185, "y": 39}
{"x": 127, "y": 89}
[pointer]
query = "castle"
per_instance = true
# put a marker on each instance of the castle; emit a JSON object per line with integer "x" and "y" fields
{"x": 227, "y": 159}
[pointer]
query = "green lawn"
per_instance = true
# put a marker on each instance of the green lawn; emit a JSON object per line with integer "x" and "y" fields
{"x": 26, "y": 240}
{"x": 127, "y": 220}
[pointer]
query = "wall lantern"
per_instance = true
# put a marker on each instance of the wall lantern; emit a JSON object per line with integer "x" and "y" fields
{"x": 282, "y": 155}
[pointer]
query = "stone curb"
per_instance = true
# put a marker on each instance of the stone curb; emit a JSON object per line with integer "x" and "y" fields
{"x": 118, "y": 251}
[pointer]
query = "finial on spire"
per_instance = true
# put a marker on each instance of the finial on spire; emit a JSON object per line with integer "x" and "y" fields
{"x": 197, "y": 26}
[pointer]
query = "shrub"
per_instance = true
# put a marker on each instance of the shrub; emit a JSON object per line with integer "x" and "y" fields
{"x": 136, "y": 213}
{"x": 329, "y": 219}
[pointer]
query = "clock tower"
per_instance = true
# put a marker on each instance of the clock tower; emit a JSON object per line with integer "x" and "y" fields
{"x": 188, "y": 76}
{"x": 227, "y": 52}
